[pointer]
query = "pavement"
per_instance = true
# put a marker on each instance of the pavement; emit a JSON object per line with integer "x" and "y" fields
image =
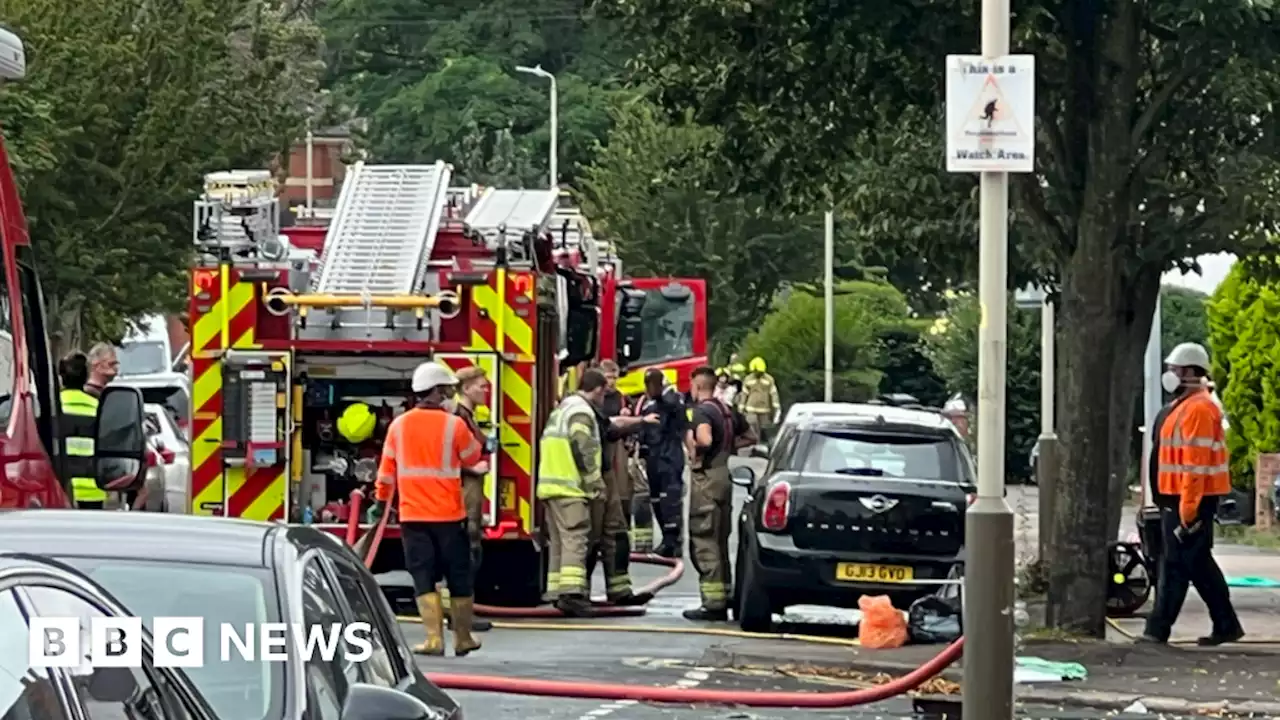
{"x": 1124, "y": 680}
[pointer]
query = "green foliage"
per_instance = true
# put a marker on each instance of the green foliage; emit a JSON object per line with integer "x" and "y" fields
{"x": 791, "y": 340}
{"x": 123, "y": 110}
{"x": 648, "y": 191}
{"x": 1183, "y": 317}
{"x": 906, "y": 366}
{"x": 1244, "y": 342}
{"x": 438, "y": 82}
{"x": 952, "y": 346}
{"x": 1156, "y": 142}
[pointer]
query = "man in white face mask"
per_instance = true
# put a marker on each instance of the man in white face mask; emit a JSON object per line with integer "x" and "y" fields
{"x": 1191, "y": 471}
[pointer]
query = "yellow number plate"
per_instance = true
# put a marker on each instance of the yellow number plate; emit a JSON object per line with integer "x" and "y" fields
{"x": 858, "y": 572}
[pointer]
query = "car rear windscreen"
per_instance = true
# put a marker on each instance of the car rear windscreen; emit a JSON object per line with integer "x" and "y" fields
{"x": 142, "y": 358}
{"x": 913, "y": 457}
{"x": 174, "y": 399}
{"x": 241, "y": 689}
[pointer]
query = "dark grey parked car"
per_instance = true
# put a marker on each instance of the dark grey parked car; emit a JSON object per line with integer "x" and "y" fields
{"x": 225, "y": 571}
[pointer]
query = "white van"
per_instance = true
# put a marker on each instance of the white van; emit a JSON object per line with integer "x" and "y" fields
{"x": 146, "y": 351}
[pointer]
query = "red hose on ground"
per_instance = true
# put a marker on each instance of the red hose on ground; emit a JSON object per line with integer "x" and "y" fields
{"x": 544, "y": 611}
{"x": 689, "y": 696}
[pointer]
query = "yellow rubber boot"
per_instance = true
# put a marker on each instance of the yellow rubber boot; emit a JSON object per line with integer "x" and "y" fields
{"x": 463, "y": 616}
{"x": 431, "y": 609}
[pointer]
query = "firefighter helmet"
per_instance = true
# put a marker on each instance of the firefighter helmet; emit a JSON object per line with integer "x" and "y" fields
{"x": 357, "y": 422}
{"x": 432, "y": 375}
{"x": 1189, "y": 355}
{"x": 757, "y": 365}
{"x": 737, "y": 370}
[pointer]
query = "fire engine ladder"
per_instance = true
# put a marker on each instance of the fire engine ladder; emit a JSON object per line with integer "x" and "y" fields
{"x": 384, "y": 229}
{"x": 503, "y": 218}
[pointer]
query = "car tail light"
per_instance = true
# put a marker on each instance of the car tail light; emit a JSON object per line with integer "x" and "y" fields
{"x": 168, "y": 455}
{"x": 777, "y": 506}
{"x": 153, "y": 458}
{"x": 969, "y": 498}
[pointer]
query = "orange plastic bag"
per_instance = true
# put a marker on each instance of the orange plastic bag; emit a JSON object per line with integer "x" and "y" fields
{"x": 882, "y": 627}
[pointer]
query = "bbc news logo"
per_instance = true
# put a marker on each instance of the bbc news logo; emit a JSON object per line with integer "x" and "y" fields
{"x": 180, "y": 642}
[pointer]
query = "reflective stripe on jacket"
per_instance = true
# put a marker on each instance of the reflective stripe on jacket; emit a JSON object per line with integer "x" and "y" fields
{"x": 1193, "y": 454}
{"x": 77, "y": 427}
{"x": 759, "y": 394}
{"x": 562, "y": 472}
{"x": 423, "y": 457}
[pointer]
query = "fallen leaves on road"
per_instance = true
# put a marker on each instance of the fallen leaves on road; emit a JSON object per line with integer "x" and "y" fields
{"x": 934, "y": 686}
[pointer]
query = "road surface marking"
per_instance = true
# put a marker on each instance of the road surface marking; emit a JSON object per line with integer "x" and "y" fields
{"x": 692, "y": 679}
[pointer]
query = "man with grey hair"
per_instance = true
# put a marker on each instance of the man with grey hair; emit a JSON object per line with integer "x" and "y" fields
{"x": 103, "y": 366}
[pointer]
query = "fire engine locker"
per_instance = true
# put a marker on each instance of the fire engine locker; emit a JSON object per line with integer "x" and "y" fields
{"x": 256, "y": 428}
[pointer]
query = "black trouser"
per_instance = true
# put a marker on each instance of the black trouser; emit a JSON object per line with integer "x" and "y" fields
{"x": 435, "y": 551}
{"x": 1188, "y": 562}
{"x": 666, "y": 490}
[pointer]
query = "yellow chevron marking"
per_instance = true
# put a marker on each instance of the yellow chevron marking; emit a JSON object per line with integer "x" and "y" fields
{"x": 267, "y": 503}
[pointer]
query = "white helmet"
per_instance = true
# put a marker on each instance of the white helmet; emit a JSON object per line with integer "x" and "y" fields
{"x": 1189, "y": 355}
{"x": 431, "y": 375}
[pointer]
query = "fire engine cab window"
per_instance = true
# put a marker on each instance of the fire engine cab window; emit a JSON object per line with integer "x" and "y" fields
{"x": 889, "y": 456}
{"x": 668, "y": 328}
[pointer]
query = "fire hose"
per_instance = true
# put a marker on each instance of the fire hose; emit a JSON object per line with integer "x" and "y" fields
{"x": 642, "y": 693}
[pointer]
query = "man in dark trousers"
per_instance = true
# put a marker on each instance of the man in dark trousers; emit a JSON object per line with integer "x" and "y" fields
{"x": 662, "y": 448}
{"x": 715, "y": 433}
{"x": 1192, "y": 477}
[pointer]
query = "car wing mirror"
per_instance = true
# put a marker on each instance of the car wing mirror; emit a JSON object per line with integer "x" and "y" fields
{"x": 370, "y": 702}
{"x": 120, "y": 438}
{"x": 743, "y": 476}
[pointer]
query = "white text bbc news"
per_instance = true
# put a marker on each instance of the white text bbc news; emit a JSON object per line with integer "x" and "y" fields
{"x": 180, "y": 642}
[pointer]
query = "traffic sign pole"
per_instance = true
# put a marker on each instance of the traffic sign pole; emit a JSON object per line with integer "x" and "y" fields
{"x": 988, "y": 610}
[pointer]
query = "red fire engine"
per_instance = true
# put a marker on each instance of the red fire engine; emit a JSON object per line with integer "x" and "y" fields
{"x": 283, "y": 341}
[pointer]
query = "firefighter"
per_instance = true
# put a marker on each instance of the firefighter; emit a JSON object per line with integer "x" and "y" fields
{"x": 615, "y": 544}
{"x": 759, "y": 400}
{"x": 79, "y": 416}
{"x": 424, "y": 449}
{"x": 473, "y": 390}
{"x": 1193, "y": 476}
{"x": 715, "y": 433}
{"x": 570, "y": 453}
{"x": 662, "y": 447}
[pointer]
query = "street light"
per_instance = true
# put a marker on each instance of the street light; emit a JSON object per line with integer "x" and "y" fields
{"x": 1047, "y": 455}
{"x": 537, "y": 70}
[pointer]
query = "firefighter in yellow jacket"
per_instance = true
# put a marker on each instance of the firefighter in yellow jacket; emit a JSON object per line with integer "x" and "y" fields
{"x": 570, "y": 484}
{"x": 759, "y": 400}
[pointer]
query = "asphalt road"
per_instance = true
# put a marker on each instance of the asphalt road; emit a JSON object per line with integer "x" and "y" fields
{"x": 643, "y": 658}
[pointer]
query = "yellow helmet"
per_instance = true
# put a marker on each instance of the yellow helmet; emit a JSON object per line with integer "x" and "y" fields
{"x": 737, "y": 370}
{"x": 357, "y": 422}
{"x": 757, "y": 365}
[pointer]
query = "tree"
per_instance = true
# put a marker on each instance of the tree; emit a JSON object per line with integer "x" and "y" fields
{"x": 952, "y": 346}
{"x": 791, "y": 338}
{"x": 1244, "y": 343}
{"x": 123, "y": 111}
{"x": 1183, "y": 317}
{"x": 648, "y": 191}
{"x": 1156, "y": 142}
{"x": 429, "y": 76}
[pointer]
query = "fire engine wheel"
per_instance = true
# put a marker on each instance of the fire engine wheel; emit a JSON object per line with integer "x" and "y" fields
{"x": 1128, "y": 579}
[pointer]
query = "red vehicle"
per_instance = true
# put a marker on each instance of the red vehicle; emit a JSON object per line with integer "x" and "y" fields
{"x": 284, "y": 342}
{"x": 29, "y": 389}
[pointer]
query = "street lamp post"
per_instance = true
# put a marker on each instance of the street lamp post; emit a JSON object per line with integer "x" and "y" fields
{"x": 537, "y": 70}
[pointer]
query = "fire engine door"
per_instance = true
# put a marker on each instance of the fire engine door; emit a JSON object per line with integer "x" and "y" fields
{"x": 256, "y": 403}
{"x": 489, "y": 420}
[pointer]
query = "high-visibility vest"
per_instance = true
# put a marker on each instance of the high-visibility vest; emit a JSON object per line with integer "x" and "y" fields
{"x": 77, "y": 426}
{"x": 1193, "y": 454}
{"x": 423, "y": 457}
{"x": 558, "y": 474}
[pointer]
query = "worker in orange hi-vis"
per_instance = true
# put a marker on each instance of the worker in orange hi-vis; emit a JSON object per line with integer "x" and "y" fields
{"x": 422, "y": 460}
{"x": 1193, "y": 476}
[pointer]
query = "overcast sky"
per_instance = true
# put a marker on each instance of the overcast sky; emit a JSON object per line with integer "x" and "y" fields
{"x": 1213, "y": 268}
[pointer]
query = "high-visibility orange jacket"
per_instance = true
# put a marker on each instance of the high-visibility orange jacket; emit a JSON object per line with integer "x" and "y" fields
{"x": 1193, "y": 454}
{"x": 423, "y": 457}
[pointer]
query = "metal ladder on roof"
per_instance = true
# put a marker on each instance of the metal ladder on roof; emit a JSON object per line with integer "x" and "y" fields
{"x": 504, "y": 217}
{"x": 383, "y": 230}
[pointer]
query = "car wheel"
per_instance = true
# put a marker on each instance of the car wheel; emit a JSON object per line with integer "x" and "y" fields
{"x": 754, "y": 610}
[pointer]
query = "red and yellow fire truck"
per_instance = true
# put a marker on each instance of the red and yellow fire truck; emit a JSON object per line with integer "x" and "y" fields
{"x": 283, "y": 341}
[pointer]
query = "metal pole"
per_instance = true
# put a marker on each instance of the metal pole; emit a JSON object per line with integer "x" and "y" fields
{"x": 555, "y": 132}
{"x": 988, "y": 610}
{"x": 1152, "y": 397}
{"x": 1047, "y": 461}
{"x": 829, "y": 304}
{"x": 311, "y": 150}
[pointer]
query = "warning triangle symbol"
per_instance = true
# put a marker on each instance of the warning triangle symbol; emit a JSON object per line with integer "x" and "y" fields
{"x": 991, "y": 118}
